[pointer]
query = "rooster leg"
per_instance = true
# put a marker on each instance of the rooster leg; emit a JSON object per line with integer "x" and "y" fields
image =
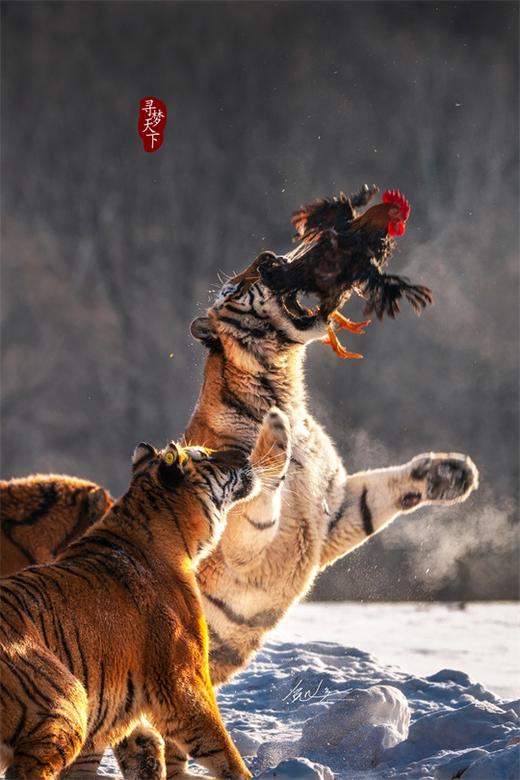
{"x": 338, "y": 348}
{"x": 346, "y": 324}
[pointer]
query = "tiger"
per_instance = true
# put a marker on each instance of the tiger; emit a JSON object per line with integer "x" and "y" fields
{"x": 41, "y": 514}
{"x": 275, "y": 544}
{"x": 114, "y": 628}
{"x": 256, "y": 342}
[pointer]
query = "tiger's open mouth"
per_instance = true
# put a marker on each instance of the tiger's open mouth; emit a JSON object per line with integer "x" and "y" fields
{"x": 309, "y": 292}
{"x": 304, "y": 295}
{"x": 302, "y": 316}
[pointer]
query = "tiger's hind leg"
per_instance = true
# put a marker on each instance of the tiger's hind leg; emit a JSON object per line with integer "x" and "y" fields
{"x": 84, "y": 768}
{"x": 141, "y": 755}
{"x": 177, "y": 765}
{"x": 44, "y": 719}
{"x": 195, "y": 725}
{"x": 47, "y": 748}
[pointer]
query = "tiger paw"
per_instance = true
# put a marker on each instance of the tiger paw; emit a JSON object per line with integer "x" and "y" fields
{"x": 141, "y": 755}
{"x": 439, "y": 478}
{"x": 279, "y": 426}
{"x": 272, "y": 452}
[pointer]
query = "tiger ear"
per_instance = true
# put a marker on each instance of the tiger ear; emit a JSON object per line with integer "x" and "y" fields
{"x": 202, "y": 330}
{"x": 97, "y": 502}
{"x": 142, "y": 454}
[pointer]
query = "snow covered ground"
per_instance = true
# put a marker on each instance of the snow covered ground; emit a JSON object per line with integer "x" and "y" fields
{"x": 483, "y": 639}
{"x": 312, "y": 707}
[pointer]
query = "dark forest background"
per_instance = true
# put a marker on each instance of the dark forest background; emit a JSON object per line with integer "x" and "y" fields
{"x": 108, "y": 252}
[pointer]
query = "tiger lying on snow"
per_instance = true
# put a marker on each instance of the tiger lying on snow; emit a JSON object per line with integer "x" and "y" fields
{"x": 114, "y": 629}
{"x": 274, "y": 546}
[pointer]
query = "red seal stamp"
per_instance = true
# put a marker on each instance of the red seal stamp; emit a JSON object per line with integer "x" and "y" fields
{"x": 151, "y": 122}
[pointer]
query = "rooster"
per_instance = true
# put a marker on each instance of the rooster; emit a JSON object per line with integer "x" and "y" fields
{"x": 342, "y": 252}
{"x": 339, "y": 214}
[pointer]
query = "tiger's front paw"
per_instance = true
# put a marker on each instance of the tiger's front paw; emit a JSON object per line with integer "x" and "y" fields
{"x": 439, "y": 478}
{"x": 279, "y": 427}
{"x": 272, "y": 451}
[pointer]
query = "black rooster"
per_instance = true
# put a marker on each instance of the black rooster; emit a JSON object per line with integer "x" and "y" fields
{"x": 343, "y": 252}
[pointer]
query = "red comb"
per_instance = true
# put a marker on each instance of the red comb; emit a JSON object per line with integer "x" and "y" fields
{"x": 396, "y": 197}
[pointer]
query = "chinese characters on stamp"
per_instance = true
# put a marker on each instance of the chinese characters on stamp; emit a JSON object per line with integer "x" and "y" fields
{"x": 151, "y": 123}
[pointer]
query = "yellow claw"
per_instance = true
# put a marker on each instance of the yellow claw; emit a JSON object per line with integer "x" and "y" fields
{"x": 338, "y": 348}
{"x": 346, "y": 324}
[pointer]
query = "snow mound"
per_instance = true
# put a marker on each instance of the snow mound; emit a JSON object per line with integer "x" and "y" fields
{"x": 378, "y": 705}
{"x": 318, "y": 711}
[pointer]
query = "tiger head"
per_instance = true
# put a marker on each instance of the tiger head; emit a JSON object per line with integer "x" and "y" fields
{"x": 264, "y": 321}
{"x": 224, "y": 476}
{"x": 194, "y": 485}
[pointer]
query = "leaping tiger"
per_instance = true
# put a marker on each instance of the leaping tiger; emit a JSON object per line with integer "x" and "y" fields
{"x": 274, "y": 546}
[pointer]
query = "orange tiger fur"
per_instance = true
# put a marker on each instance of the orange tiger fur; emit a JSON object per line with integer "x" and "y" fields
{"x": 41, "y": 514}
{"x": 114, "y": 629}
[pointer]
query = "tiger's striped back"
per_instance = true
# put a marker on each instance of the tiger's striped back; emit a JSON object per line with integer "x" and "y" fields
{"x": 43, "y": 513}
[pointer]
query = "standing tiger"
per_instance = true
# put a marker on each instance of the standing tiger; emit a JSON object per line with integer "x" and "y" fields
{"x": 114, "y": 629}
{"x": 41, "y": 514}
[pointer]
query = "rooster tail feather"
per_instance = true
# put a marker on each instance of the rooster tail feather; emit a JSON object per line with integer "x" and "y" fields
{"x": 312, "y": 219}
{"x": 362, "y": 197}
{"x": 419, "y": 297}
{"x": 386, "y": 293}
